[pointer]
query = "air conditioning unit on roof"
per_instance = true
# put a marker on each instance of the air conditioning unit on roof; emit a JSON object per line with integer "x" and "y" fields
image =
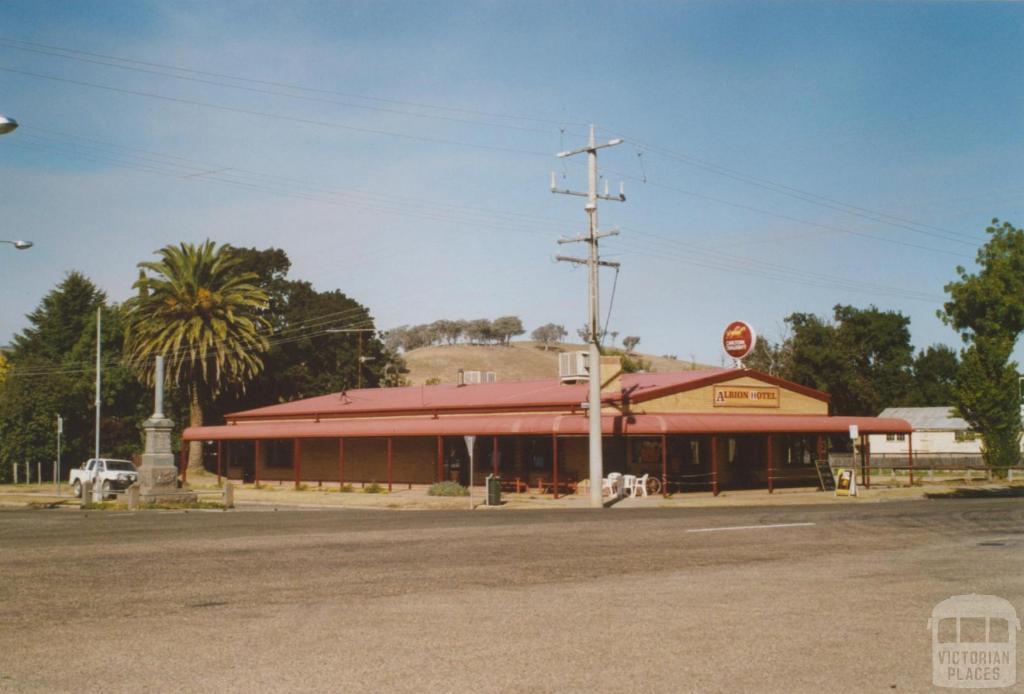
{"x": 573, "y": 367}
{"x": 473, "y": 377}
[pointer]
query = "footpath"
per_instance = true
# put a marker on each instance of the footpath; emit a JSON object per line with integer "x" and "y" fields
{"x": 249, "y": 497}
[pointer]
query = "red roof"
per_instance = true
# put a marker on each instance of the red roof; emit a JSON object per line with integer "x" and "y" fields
{"x": 548, "y": 394}
{"x": 547, "y": 424}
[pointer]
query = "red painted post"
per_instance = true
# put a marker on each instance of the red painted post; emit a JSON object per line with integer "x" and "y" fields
{"x": 714, "y": 466}
{"x": 390, "y": 453}
{"x": 184, "y": 461}
{"x": 629, "y": 456}
{"x": 297, "y": 460}
{"x": 220, "y": 451}
{"x": 494, "y": 457}
{"x": 771, "y": 463}
{"x": 863, "y": 479}
{"x": 910, "y": 457}
{"x": 258, "y": 457}
{"x": 867, "y": 463}
{"x": 664, "y": 466}
{"x": 554, "y": 464}
{"x": 440, "y": 459}
{"x": 341, "y": 462}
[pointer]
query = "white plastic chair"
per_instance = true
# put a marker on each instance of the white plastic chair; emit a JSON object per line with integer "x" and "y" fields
{"x": 613, "y": 483}
{"x": 640, "y": 486}
{"x": 627, "y": 484}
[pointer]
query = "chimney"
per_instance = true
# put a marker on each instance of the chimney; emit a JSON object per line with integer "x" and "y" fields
{"x": 460, "y": 379}
{"x": 611, "y": 373}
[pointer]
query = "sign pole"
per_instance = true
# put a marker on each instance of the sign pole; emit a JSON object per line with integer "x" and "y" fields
{"x": 60, "y": 430}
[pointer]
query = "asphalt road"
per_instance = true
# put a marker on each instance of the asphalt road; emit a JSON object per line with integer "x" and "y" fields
{"x": 834, "y": 598}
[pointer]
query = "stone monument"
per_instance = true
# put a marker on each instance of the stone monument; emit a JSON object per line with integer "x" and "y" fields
{"x": 158, "y": 475}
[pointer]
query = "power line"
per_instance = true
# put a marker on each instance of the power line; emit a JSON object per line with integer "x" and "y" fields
{"x": 8, "y": 43}
{"x": 475, "y": 145}
{"x": 807, "y": 196}
{"x": 779, "y": 215}
{"x": 12, "y": 43}
{"x": 404, "y": 210}
{"x": 271, "y": 115}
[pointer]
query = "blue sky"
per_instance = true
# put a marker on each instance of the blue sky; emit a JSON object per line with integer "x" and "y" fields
{"x": 779, "y": 157}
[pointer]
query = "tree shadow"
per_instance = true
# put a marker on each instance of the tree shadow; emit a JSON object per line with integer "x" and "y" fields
{"x": 978, "y": 493}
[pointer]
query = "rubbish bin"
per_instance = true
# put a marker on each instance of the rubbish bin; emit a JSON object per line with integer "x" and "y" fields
{"x": 493, "y": 490}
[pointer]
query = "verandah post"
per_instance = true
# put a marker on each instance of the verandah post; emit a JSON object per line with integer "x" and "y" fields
{"x": 183, "y": 465}
{"x": 220, "y": 452}
{"x": 257, "y": 458}
{"x": 867, "y": 462}
{"x": 554, "y": 464}
{"x": 440, "y": 459}
{"x": 771, "y": 463}
{"x": 664, "y": 466}
{"x": 341, "y": 462}
{"x": 494, "y": 457}
{"x": 714, "y": 465}
{"x": 910, "y": 457}
{"x": 390, "y": 454}
{"x": 297, "y": 460}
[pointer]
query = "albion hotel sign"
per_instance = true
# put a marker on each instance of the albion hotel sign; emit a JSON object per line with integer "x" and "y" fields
{"x": 746, "y": 396}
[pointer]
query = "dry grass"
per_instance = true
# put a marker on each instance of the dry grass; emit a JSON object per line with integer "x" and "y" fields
{"x": 522, "y": 361}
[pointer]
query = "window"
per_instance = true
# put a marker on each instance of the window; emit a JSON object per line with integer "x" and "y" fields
{"x": 964, "y": 436}
{"x": 895, "y": 437}
{"x": 278, "y": 454}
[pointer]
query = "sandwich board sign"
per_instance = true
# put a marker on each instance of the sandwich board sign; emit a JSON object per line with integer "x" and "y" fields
{"x": 846, "y": 483}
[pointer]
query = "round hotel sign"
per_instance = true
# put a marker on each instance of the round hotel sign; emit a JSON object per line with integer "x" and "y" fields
{"x": 739, "y": 339}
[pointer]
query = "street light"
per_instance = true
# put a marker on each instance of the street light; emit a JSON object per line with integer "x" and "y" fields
{"x": 6, "y": 126}
{"x": 20, "y": 245}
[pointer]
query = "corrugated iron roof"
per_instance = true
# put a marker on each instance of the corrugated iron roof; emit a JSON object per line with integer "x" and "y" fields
{"x": 547, "y": 394}
{"x": 928, "y": 418}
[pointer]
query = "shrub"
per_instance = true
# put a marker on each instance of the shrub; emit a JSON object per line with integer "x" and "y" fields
{"x": 447, "y": 489}
{"x": 345, "y": 488}
{"x": 373, "y": 488}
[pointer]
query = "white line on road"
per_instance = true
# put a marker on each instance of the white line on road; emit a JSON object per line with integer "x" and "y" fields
{"x": 748, "y": 527}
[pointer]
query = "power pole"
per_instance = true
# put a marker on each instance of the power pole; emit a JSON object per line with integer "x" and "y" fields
{"x": 360, "y": 360}
{"x": 99, "y": 381}
{"x": 593, "y": 263}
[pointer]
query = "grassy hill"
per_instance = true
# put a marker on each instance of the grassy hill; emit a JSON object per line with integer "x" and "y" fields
{"x": 521, "y": 361}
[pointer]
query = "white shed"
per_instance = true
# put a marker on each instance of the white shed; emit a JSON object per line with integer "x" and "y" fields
{"x": 936, "y": 431}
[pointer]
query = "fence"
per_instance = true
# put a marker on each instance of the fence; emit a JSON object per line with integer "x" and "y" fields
{"x": 932, "y": 466}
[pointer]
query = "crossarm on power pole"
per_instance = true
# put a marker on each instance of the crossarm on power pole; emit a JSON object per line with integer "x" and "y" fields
{"x": 585, "y": 261}
{"x": 581, "y": 239}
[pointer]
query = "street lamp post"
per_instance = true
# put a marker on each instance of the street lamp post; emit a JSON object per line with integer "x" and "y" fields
{"x": 6, "y": 126}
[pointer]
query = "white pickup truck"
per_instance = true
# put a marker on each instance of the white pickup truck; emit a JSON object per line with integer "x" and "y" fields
{"x": 111, "y": 475}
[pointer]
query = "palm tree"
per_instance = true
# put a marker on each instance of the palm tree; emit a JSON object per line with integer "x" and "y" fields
{"x": 197, "y": 309}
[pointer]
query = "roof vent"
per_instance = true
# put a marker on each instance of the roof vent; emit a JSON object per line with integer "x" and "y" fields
{"x": 572, "y": 367}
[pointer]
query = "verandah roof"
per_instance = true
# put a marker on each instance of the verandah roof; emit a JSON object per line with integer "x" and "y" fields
{"x": 547, "y": 424}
